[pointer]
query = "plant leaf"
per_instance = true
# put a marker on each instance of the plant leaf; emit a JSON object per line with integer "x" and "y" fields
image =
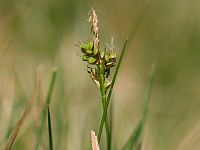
{"x": 136, "y": 134}
{"x": 139, "y": 19}
{"x": 43, "y": 114}
{"x": 104, "y": 116}
{"x": 24, "y": 115}
{"x": 50, "y": 129}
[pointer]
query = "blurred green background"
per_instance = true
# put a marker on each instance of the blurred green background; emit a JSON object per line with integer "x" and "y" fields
{"x": 44, "y": 33}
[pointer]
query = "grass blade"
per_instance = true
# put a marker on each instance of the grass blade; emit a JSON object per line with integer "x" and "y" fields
{"x": 43, "y": 114}
{"x": 104, "y": 116}
{"x": 115, "y": 74}
{"x": 50, "y": 129}
{"x": 138, "y": 21}
{"x": 23, "y": 117}
{"x": 101, "y": 68}
{"x": 134, "y": 138}
{"x": 51, "y": 86}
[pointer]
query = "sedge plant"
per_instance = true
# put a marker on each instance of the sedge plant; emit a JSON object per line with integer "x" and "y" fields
{"x": 99, "y": 65}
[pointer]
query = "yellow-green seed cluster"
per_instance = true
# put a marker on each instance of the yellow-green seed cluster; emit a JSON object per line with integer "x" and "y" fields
{"x": 90, "y": 54}
{"x": 93, "y": 56}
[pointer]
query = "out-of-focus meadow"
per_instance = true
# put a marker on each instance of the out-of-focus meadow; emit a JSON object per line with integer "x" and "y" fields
{"x": 43, "y": 33}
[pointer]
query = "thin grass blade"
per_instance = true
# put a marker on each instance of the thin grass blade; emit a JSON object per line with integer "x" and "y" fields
{"x": 51, "y": 86}
{"x": 50, "y": 129}
{"x": 116, "y": 73}
{"x": 101, "y": 68}
{"x": 139, "y": 19}
{"x": 43, "y": 114}
{"x": 104, "y": 116}
{"x": 136, "y": 134}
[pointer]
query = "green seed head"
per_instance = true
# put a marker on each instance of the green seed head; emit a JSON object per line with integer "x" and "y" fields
{"x": 88, "y": 52}
{"x": 86, "y": 47}
{"x": 112, "y": 55}
{"x": 89, "y": 45}
{"x": 91, "y": 60}
{"x": 107, "y": 58}
{"x": 84, "y": 57}
{"x": 102, "y": 54}
{"x": 95, "y": 51}
{"x": 107, "y": 84}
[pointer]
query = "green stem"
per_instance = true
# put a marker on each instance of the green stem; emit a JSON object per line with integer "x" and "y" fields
{"x": 43, "y": 114}
{"x": 103, "y": 96}
{"x": 50, "y": 129}
{"x": 104, "y": 116}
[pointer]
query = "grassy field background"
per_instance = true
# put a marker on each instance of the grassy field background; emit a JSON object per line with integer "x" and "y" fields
{"x": 42, "y": 34}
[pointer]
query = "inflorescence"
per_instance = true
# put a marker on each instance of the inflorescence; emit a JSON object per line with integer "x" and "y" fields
{"x": 95, "y": 57}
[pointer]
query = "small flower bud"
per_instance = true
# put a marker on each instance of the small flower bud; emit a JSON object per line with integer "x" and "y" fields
{"x": 102, "y": 54}
{"x": 91, "y": 60}
{"x": 88, "y": 52}
{"x": 95, "y": 51}
{"x": 107, "y": 58}
{"x": 84, "y": 57}
{"x": 112, "y": 55}
{"x": 107, "y": 84}
{"x": 86, "y": 46}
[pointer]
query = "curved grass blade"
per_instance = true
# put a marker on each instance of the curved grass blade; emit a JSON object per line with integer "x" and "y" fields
{"x": 132, "y": 36}
{"x": 24, "y": 116}
{"x": 43, "y": 114}
{"x": 104, "y": 116}
{"x": 136, "y": 134}
{"x": 50, "y": 129}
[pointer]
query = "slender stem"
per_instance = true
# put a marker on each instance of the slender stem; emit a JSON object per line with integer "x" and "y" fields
{"x": 43, "y": 113}
{"x": 137, "y": 131}
{"x": 103, "y": 96}
{"x": 104, "y": 116}
{"x": 50, "y": 129}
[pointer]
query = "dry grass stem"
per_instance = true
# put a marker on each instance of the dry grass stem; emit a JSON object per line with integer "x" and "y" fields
{"x": 23, "y": 117}
{"x": 95, "y": 145}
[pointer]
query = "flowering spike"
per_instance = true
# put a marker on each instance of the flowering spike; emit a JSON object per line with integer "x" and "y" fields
{"x": 94, "y": 57}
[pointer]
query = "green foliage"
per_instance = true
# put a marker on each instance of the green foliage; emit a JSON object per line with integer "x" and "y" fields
{"x": 110, "y": 92}
{"x": 103, "y": 60}
{"x": 40, "y": 32}
{"x": 43, "y": 113}
{"x": 137, "y": 132}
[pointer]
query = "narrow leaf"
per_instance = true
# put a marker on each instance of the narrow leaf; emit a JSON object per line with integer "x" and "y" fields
{"x": 136, "y": 134}
{"x": 43, "y": 114}
{"x": 51, "y": 86}
{"x": 50, "y": 129}
{"x": 24, "y": 116}
{"x": 137, "y": 22}
{"x": 101, "y": 68}
{"x": 104, "y": 116}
